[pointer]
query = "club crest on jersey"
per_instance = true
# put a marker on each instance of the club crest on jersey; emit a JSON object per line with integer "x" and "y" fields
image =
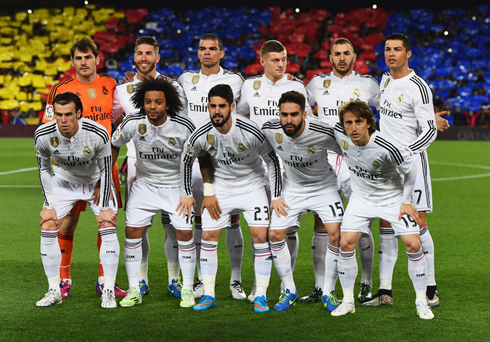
{"x": 195, "y": 79}
{"x": 386, "y": 83}
{"x": 104, "y": 90}
{"x": 211, "y": 140}
{"x": 241, "y": 147}
{"x": 86, "y": 150}
{"x": 54, "y": 142}
{"x": 130, "y": 88}
{"x": 376, "y": 164}
{"x": 357, "y": 93}
{"x": 279, "y": 138}
{"x": 92, "y": 93}
{"x": 345, "y": 145}
{"x": 311, "y": 150}
{"x": 400, "y": 98}
{"x": 327, "y": 83}
{"x": 142, "y": 129}
{"x": 257, "y": 85}
{"x": 172, "y": 142}
{"x": 49, "y": 112}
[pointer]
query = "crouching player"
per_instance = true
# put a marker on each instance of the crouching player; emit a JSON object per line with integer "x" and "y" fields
{"x": 235, "y": 146}
{"x": 159, "y": 135}
{"x": 82, "y": 150}
{"x": 378, "y": 191}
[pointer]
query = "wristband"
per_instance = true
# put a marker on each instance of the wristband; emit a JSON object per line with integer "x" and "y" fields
{"x": 208, "y": 189}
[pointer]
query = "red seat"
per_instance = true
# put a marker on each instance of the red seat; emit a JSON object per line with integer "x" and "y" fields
{"x": 253, "y": 69}
{"x": 293, "y": 68}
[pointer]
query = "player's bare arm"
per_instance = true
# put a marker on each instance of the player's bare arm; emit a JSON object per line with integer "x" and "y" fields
{"x": 129, "y": 77}
{"x": 279, "y": 206}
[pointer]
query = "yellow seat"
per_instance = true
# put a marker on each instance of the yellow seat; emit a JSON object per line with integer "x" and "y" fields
{"x": 38, "y": 81}
{"x": 119, "y": 15}
{"x": 21, "y": 96}
{"x": 69, "y": 11}
{"x": 24, "y": 106}
{"x": 36, "y": 105}
{"x": 51, "y": 71}
{"x": 20, "y": 16}
{"x": 10, "y": 104}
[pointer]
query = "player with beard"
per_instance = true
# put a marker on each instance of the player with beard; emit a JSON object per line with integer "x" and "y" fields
{"x": 236, "y": 148}
{"x": 159, "y": 134}
{"x": 196, "y": 85}
{"x": 102, "y": 106}
{"x": 146, "y": 58}
{"x": 309, "y": 184}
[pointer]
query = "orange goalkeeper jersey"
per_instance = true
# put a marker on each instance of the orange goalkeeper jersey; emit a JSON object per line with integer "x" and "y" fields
{"x": 97, "y": 98}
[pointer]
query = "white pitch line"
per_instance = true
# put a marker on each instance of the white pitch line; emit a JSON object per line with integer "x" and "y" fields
{"x": 462, "y": 165}
{"x": 461, "y": 177}
{"x": 18, "y": 171}
{"x": 33, "y": 168}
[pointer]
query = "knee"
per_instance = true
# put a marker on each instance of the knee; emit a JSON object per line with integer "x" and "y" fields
{"x": 183, "y": 235}
{"x": 276, "y": 235}
{"x": 134, "y": 233}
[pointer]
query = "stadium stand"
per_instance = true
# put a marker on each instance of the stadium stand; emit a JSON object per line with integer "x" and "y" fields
{"x": 450, "y": 46}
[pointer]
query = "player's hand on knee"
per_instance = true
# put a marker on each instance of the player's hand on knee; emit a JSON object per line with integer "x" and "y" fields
{"x": 279, "y": 206}
{"x": 129, "y": 77}
{"x": 410, "y": 210}
{"x": 212, "y": 205}
{"x": 107, "y": 216}
{"x": 186, "y": 206}
{"x": 48, "y": 215}
{"x": 441, "y": 123}
{"x": 53, "y": 161}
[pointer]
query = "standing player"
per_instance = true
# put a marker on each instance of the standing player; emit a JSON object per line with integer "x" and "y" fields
{"x": 309, "y": 184}
{"x": 196, "y": 86}
{"x": 146, "y": 58}
{"x": 259, "y": 102}
{"x": 235, "y": 146}
{"x": 159, "y": 135}
{"x": 329, "y": 92}
{"x": 378, "y": 191}
{"x": 81, "y": 149}
{"x": 407, "y": 117}
{"x": 97, "y": 95}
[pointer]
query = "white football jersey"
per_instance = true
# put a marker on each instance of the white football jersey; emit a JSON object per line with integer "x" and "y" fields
{"x": 330, "y": 92}
{"x": 196, "y": 88}
{"x": 126, "y": 90}
{"x": 407, "y": 111}
{"x": 83, "y": 159}
{"x": 158, "y": 148}
{"x": 260, "y": 97}
{"x": 373, "y": 167}
{"x": 306, "y": 168}
{"x": 236, "y": 158}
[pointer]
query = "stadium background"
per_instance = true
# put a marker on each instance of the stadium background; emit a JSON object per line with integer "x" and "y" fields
{"x": 459, "y": 226}
{"x": 450, "y": 46}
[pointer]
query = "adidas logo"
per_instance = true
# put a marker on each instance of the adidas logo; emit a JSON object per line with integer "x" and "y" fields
{"x": 56, "y": 152}
{"x": 279, "y": 148}
{"x": 194, "y": 88}
{"x": 326, "y": 92}
{"x": 142, "y": 139}
{"x": 256, "y": 94}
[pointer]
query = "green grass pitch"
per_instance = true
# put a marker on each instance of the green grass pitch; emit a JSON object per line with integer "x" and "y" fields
{"x": 459, "y": 226}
